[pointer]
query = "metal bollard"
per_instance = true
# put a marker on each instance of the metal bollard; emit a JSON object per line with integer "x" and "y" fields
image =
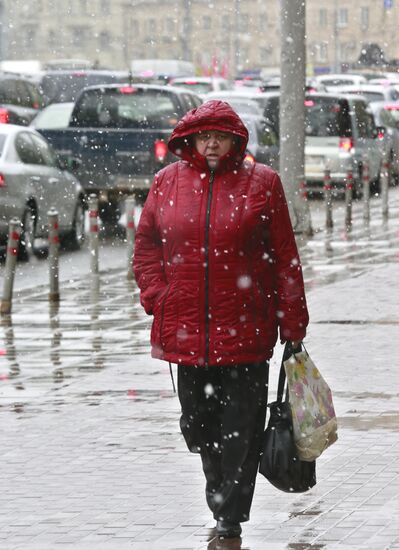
{"x": 366, "y": 191}
{"x": 303, "y": 193}
{"x": 53, "y": 255}
{"x": 130, "y": 205}
{"x": 328, "y": 199}
{"x": 348, "y": 199}
{"x": 385, "y": 184}
{"x": 93, "y": 240}
{"x": 14, "y": 234}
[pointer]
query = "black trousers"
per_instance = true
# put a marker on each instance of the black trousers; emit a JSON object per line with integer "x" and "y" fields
{"x": 223, "y": 419}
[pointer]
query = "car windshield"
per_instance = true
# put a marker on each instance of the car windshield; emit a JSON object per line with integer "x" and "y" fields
{"x": 248, "y": 107}
{"x": 327, "y": 117}
{"x": 337, "y": 81}
{"x": 195, "y": 86}
{"x": 373, "y": 96}
{"x": 54, "y": 116}
{"x": 125, "y": 107}
{"x": 390, "y": 117}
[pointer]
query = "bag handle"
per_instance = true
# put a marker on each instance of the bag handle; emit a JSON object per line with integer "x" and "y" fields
{"x": 288, "y": 351}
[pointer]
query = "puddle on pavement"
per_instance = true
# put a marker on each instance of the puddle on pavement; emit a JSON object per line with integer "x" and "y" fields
{"x": 385, "y": 421}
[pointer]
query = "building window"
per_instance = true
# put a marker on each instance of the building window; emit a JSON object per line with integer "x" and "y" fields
{"x": 78, "y": 37}
{"x": 170, "y": 25}
{"x": 104, "y": 40}
{"x": 244, "y": 22}
{"x": 83, "y": 7}
{"x": 265, "y": 55}
{"x": 207, "y": 22}
{"x": 364, "y": 18}
{"x": 342, "y": 15}
{"x": 323, "y": 18}
{"x": 152, "y": 26}
{"x": 30, "y": 38}
{"x": 226, "y": 23}
{"x": 52, "y": 39}
{"x": 105, "y": 7}
{"x": 321, "y": 52}
{"x": 134, "y": 28}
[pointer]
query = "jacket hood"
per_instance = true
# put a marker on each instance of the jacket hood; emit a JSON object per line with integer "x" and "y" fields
{"x": 212, "y": 115}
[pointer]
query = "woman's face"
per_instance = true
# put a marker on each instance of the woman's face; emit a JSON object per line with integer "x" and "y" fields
{"x": 213, "y": 145}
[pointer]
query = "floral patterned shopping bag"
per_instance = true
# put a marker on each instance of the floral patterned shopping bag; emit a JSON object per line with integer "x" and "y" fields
{"x": 313, "y": 414}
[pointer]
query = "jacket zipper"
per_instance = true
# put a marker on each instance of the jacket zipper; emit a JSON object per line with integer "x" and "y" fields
{"x": 206, "y": 247}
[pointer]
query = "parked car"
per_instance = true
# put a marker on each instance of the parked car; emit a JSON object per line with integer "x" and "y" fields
{"x": 202, "y": 84}
{"x": 311, "y": 85}
{"x": 60, "y": 86}
{"x": 31, "y": 182}
{"x": 20, "y": 99}
{"x": 340, "y": 134}
{"x": 243, "y": 103}
{"x": 331, "y": 81}
{"x": 372, "y": 92}
{"x": 387, "y": 116}
{"x": 53, "y": 116}
{"x": 263, "y": 141}
{"x": 118, "y": 133}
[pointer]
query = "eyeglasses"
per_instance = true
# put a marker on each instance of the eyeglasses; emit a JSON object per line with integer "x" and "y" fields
{"x": 204, "y": 137}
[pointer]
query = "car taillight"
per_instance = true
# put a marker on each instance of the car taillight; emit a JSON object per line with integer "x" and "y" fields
{"x": 2, "y": 181}
{"x": 160, "y": 150}
{"x": 4, "y": 116}
{"x": 346, "y": 144}
{"x": 127, "y": 90}
{"x": 249, "y": 157}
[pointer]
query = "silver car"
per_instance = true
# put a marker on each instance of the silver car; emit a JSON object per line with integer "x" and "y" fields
{"x": 387, "y": 116}
{"x": 31, "y": 182}
{"x": 341, "y": 136}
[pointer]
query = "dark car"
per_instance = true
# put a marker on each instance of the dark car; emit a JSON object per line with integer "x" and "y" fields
{"x": 61, "y": 86}
{"x": 263, "y": 143}
{"x": 118, "y": 134}
{"x": 20, "y": 99}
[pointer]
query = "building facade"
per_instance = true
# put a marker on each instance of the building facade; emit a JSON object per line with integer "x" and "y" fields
{"x": 217, "y": 35}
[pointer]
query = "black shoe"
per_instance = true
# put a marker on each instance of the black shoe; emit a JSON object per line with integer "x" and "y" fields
{"x": 228, "y": 530}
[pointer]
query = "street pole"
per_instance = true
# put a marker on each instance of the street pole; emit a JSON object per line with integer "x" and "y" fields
{"x": 337, "y": 62}
{"x": 292, "y": 110}
{"x": 237, "y": 45}
{"x": 186, "y": 31}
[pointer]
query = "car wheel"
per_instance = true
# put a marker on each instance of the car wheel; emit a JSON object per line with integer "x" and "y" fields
{"x": 27, "y": 239}
{"x": 77, "y": 235}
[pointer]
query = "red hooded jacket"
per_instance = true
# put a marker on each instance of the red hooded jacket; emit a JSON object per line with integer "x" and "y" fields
{"x": 215, "y": 255}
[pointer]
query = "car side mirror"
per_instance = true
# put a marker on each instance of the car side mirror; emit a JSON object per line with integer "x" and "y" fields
{"x": 74, "y": 164}
{"x": 71, "y": 163}
{"x": 62, "y": 163}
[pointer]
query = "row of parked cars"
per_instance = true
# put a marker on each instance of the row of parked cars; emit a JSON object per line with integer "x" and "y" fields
{"x": 110, "y": 142}
{"x": 349, "y": 120}
{"x": 110, "y": 138}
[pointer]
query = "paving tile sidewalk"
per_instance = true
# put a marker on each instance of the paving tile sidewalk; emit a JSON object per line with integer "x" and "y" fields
{"x": 91, "y": 453}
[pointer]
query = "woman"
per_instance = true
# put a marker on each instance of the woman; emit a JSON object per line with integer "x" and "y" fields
{"x": 218, "y": 268}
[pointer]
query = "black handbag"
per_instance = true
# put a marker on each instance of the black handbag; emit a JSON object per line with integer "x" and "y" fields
{"x": 279, "y": 462}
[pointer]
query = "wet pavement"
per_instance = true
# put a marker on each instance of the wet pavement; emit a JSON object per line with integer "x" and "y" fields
{"x": 90, "y": 448}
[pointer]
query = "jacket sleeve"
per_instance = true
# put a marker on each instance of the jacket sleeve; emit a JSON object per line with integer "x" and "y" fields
{"x": 148, "y": 263}
{"x": 292, "y": 312}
